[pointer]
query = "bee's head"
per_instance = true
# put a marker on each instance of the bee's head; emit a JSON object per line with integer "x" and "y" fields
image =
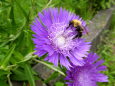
{"x": 76, "y": 22}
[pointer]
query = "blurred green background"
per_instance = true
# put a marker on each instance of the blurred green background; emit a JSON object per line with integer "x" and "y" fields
{"x": 16, "y": 46}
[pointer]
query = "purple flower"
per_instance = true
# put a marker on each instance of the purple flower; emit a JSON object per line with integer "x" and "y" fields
{"x": 88, "y": 74}
{"x": 54, "y": 38}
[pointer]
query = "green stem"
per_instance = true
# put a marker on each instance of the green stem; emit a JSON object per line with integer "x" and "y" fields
{"x": 9, "y": 81}
{"x": 47, "y": 4}
{"x": 50, "y": 66}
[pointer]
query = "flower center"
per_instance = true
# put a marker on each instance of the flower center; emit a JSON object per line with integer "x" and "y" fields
{"x": 84, "y": 78}
{"x": 60, "y": 37}
{"x": 60, "y": 41}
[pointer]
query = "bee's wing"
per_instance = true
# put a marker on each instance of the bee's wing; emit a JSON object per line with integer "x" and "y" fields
{"x": 85, "y": 30}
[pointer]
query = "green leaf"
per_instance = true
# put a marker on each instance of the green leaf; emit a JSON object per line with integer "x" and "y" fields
{"x": 50, "y": 66}
{"x": 3, "y": 83}
{"x": 3, "y": 72}
{"x": 59, "y": 84}
{"x": 29, "y": 75}
{"x": 12, "y": 15}
{"x": 28, "y": 57}
{"x": 108, "y": 5}
{"x": 18, "y": 55}
{"x": 19, "y": 75}
{"x": 4, "y": 8}
{"x": 24, "y": 84}
{"x": 7, "y": 57}
{"x": 29, "y": 41}
{"x": 23, "y": 11}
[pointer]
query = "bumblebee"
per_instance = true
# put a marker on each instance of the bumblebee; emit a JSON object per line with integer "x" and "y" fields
{"x": 79, "y": 28}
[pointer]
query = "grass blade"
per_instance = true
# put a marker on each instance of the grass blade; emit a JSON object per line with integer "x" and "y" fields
{"x": 29, "y": 75}
{"x": 7, "y": 57}
{"x": 23, "y": 11}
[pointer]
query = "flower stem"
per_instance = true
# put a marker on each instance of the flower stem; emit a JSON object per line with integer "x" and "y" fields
{"x": 50, "y": 66}
{"x": 9, "y": 81}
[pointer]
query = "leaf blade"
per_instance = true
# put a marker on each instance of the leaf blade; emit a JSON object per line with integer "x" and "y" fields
{"x": 29, "y": 75}
{"x": 8, "y": 56}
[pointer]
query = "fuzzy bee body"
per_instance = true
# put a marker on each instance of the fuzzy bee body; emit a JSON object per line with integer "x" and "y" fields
{"x": 79, "y": 28}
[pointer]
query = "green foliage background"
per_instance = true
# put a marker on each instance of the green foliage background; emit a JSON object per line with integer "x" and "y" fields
{"x": 16, "y": 46}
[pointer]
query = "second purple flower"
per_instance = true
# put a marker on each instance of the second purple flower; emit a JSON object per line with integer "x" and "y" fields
{"x": 87, "y": 75}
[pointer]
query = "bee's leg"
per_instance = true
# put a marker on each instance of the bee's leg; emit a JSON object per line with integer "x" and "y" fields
{"x": 69, "y": 25}
{"x": 80, "y": 34}
{"x": 76, "y": 36}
